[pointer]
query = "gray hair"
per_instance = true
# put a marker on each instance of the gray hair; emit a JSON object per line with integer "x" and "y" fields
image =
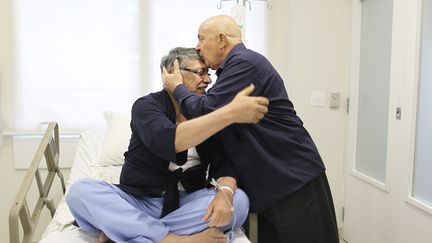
{"x": 184, "y": 55}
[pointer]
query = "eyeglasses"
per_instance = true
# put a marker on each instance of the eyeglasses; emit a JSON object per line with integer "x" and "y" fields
{"x": 198, "y": 71}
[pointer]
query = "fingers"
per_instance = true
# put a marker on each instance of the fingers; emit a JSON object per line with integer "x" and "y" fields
{"x": 249, "y": 109}
{"x": 217, "y": 217}
{"x": 220, "y": 218}
{"x": 214, "y": 221}
{"x": 208, "y": 213}
{"x": 247, "y": 91}
{"x": 219, "y": 211}
{"x": 217, "y": 221}
{"x": 171, "y": 80}
{"x": 262, "y": 100}
{"x": 263, "y": 109}
{"x": 176, "y": 65}
{"x": 176, "y": 68}
{"x": 213, "y": 214}
{"x": 259, "y": 114}
{"x": 164, "y": 71}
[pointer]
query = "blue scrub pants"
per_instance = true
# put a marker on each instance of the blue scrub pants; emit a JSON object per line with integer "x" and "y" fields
{"x": 100, "y": 206}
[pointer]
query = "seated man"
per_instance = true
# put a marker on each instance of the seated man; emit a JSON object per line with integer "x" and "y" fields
{"x": 163, "y": 194}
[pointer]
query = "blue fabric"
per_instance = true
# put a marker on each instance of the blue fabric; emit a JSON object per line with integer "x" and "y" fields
{"x": 100, "y": 206}
{"x": 273, "y": 158}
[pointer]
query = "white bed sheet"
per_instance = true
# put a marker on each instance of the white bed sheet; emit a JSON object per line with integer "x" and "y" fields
{"x": 89, "y": 147}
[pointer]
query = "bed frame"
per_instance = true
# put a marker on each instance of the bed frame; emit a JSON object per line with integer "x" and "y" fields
{"x": 19, "y": 213}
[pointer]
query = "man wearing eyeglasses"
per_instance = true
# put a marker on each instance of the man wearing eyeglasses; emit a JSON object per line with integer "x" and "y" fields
{"x": 163, "y": 195}
{"x": 199, "y": 79}
{"x": 276, "y": 160}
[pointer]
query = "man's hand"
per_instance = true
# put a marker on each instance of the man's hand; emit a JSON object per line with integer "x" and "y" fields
{"x": 171, "y": 80}
{"x": 248, "y": 109}
{"x": 219, "y": 211}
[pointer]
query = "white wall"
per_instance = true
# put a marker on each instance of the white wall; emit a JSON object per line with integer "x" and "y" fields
{"x": 5, "y": 52}
{"x": 309, "y": 45}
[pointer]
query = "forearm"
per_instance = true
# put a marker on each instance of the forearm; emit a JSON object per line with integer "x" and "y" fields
{"x": 242, "y": 109}
{"x": 193, "y": 132}
{"x": 193, "y": 106}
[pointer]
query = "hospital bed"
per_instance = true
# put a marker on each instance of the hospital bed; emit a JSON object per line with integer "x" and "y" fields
{"x": 99, "y": 155}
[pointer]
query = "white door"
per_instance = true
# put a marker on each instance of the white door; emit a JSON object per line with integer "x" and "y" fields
{"x": 388, "y": 190}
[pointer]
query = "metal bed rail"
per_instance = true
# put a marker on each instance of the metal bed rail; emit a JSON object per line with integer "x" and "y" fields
{"x": 19, "y": 213}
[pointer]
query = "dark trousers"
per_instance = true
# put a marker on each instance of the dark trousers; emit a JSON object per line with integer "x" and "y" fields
{"x": 306, "y": 216}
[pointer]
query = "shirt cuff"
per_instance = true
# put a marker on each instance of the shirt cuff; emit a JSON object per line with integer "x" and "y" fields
{"x": 180, "y": 92}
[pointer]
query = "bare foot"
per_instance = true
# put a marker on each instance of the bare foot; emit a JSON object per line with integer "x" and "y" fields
{"x": 103, "y": 238}
{"x": 211, "y": 235}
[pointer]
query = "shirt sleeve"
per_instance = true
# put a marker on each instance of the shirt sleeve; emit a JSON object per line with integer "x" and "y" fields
{"x": 154, "y": 128}
{"x": 220, "y": 165}
{"x": 235, "y": 77}
{"x": 226, "y": 169}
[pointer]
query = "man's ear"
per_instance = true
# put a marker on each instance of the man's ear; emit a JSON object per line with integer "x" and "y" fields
{"x": 222, "y": 38}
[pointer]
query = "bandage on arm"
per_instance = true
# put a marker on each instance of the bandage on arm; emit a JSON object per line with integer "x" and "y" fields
{"x": 228, "y": 181}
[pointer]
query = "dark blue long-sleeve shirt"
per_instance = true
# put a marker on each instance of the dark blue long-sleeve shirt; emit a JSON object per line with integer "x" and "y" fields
{"x": 273, "y": 158}
{"x": 151, "y": 149}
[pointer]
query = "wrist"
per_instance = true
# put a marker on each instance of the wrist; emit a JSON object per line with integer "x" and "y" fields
{"x": 173, "y": 87}
{"x": 225, "y": 194}
{"x": 225, "y": 183}
{"x": 229, "y": 113}
{"x": 179, "y": 92}
{"x": 227, "y": 189}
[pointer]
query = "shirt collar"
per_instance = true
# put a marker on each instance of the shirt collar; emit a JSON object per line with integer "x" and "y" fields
{"x": 237, "y": 48}
{"x": 171, "y": 113}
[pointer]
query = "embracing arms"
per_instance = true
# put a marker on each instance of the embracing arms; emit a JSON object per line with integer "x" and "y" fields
{"x": 242, "y": 109}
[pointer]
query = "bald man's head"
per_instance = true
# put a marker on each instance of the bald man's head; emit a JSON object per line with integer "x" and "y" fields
{"x": 217, "y": 37}
{"x": 223, "y": 24}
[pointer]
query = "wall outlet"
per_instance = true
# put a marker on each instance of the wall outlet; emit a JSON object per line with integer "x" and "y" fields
{"x": 334, "y": 100}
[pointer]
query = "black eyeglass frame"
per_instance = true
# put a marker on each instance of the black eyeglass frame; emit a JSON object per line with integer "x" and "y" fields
{"x": 198, "y": 71}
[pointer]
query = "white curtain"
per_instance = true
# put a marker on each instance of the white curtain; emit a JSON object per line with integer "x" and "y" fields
{"x": 75, "y": 59}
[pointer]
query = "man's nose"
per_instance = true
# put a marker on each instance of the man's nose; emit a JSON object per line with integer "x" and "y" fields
{"x": 198, "y": 47}
{"x": 207, "y": 78}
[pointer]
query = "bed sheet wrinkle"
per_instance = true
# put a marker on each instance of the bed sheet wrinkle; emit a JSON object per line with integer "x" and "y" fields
{"x": 89, "y": 147}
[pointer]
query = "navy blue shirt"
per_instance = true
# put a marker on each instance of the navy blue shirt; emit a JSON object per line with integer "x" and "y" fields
{"x": 151, "y": 149}
{"x": 273, "y": 158}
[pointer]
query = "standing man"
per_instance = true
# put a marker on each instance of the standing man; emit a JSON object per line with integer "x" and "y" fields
{"x": 276, "y": 161}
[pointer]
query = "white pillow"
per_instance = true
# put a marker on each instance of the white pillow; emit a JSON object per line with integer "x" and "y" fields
{"x": 117, "y": 138}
